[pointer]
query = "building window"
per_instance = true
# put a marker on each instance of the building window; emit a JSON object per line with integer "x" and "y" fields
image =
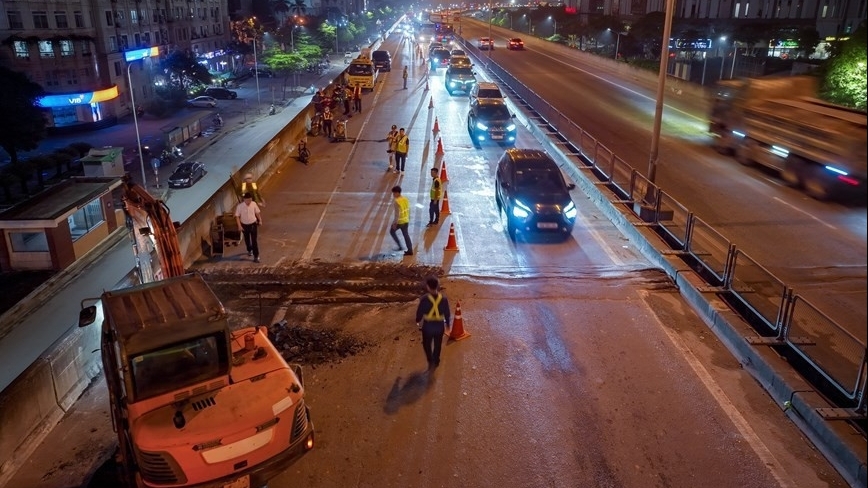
{"x": 85, "y": 48}
{"x": 40, "y": 19}
{"x": 134, "y": 17}
{"x": 64, "y": 116}
{"x": 21, "y": 49}
{"x": 60, "y": 20}
{"x": 125, "y": 43}
{"x": 51, "y": 78}
{"x": 109, "y": 18}
{"x": 146, "y": 37}
{"x": 71, "y": 77}
{"x": 79, "y": 19}
{"x": 85, "y": 219}
{"x": 46, "y": 49}
{"x": 67, "y": 48}
{"x": 28, "y": 241}
{"x": 14, "y": 18}
{"x": 118, "y": 70}
{"x": 113, "y": 44}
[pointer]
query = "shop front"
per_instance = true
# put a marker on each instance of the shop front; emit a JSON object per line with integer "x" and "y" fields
{"x": 79, "y": 111}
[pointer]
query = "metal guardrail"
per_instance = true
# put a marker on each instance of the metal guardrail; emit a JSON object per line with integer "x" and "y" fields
{"x": 782, "y": 318}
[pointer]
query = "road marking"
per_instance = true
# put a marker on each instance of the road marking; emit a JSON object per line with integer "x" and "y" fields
{"x": 762, "y": 451}
{"x": 806, "y": 213}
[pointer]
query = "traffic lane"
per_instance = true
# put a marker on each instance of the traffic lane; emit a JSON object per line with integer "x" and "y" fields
{"x": 779, "y": 227}
{"x": 569, "y": 382}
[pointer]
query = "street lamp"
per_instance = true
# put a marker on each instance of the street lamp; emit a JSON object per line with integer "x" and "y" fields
{"x": 555, "y": 21}
{"x": 131, "y": 56}
{"x": 256, "y": 65}
{"x": 617, "y": 41}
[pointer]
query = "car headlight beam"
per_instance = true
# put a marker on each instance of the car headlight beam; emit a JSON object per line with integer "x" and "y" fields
{"x": 570, "y": 211}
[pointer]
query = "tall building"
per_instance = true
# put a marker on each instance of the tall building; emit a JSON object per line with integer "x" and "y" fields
{"x": 75, "y": 50}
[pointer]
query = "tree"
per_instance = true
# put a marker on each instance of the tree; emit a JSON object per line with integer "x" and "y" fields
{"x": 22, "y": 120}
{"x": 845, "y": 81}
{"x": 184, "y": 69}
{"x": 298, "y": 8}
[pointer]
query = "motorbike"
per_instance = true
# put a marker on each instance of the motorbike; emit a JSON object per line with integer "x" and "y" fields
{"x": 272, "y": 110}
{"x": 169, "y": 156}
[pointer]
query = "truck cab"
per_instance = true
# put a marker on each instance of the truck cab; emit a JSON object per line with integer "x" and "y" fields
{"x": 361, "y": 71}
{"x": 193, "y": 402}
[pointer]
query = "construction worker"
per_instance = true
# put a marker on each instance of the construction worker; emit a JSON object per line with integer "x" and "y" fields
{"x": 436, "y": 193}
{"x": 327, "y": 118}
{"x": 405, "y": 75}
{"x": 248, "y": 185}
{"x": 433, "y": 319}
{"x": 401, "y": 220}
{"x": 357, "y": 98}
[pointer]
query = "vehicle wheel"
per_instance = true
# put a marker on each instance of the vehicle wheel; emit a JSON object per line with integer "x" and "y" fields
{"x": 743, "y": 153}
{"x": 817, "y": 184}
{"x": 794, "y": 168}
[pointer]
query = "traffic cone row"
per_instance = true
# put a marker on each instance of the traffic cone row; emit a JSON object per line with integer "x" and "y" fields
{"x": 443, "y": 176}
{"x": 439, "y": 151}
{"x": 436, "y": 128}
{"x": 431, "y": 103}
{"x": 457, "y": 333}
{"x": 444, "y": 209}
{"x": 451, "y": 244}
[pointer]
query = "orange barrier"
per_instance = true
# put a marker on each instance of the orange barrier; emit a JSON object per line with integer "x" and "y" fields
{"x": 457, "y": 333}
{"x": 451, "y": 244}
{"x": 436, "y": 128}
{"x": 445, "y": 208}
{"x": 443, "y": 176}
{"x": 439, "y": 152}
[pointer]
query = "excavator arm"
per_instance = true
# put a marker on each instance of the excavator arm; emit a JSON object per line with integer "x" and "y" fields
{"x": 150, "y": 215}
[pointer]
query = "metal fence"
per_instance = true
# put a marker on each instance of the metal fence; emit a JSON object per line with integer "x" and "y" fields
{"x": 779, "y": 315}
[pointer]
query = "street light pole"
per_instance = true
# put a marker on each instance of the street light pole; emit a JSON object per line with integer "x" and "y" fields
{"x": 661, "y": 84}
{"x": 130, "y": 56}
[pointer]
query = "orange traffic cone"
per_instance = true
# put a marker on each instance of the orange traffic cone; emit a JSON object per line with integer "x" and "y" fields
{"x": 439, "y": 151}
{"x": 443, "y": 176}
{"x": 431, "y": 103}
{"x": 426, "y": 85}
{"x": 451, "y": 245}
{"x": 457, "y": 333}
{"x": 436, "y": 128}
{"x": 445, "y": 208}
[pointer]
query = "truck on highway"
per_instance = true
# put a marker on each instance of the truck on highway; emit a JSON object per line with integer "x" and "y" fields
{"x": 361, "y": 71}
{"x": 193, "y": 402}
{"x": 778, "y": 123}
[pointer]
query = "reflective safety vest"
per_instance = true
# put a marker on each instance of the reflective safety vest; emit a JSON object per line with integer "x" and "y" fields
{"x": 403, "y": 210}
{"x": 327, "y": 115}
{"x": 403, "y": 143}
{"x": 253, "y": 188}
{"x": 436, "y": 189}
{"x": 434, "y": 314}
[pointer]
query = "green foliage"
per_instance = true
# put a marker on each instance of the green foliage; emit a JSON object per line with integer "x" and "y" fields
{"x": 22, "y": 120}
{"x": 185, "y": 71}
{"x": 845, "y": 81}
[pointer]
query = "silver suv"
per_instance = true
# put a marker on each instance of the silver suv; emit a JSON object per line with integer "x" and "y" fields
{"x": 485, "y": 89}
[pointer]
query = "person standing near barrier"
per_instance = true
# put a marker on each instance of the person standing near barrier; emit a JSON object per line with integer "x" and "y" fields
{"x": 249, "y": 218}
{"x": 347, "y": 99}
{"x": 327, "y": 118}
{"x": 402, "y": 220}
{"x": 391, "y": 144}
{"x": 436, "y": 193}
{"x": 357, "y": 98}
{"x": 317, "y": 100}
{"x": 432, "y": 318}
{"x": 402, "y": 145}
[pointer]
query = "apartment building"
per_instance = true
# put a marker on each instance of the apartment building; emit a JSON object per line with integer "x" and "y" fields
{"x": 75, "y": 50}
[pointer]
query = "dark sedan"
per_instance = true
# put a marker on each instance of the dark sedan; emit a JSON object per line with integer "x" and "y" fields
{"x": 186, "y": 174}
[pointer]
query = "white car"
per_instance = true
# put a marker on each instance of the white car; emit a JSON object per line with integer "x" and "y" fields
{"x": 203, "y": 102}
{"x": 486, "y": 43}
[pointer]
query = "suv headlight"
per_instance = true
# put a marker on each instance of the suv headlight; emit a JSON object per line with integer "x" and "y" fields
{"x": 570, "y": 211}
{"x": 481, "y": 126}
{"x": 520, "y": 210}
{"x": 510, "y": 127}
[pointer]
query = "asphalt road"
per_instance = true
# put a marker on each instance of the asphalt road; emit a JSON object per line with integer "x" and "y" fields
{"x": 583, "y": 368}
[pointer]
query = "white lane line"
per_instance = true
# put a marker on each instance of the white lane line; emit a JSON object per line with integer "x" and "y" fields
{"x": 762, "y": 451}
{"x": 806, "y": 213}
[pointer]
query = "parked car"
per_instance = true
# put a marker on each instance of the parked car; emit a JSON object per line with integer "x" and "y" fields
{"x": 220, "y": 93}
{"x": 435, "y": 45}
{"x": 515, "y": 44}
{"x": 486, "y": 43}
{"x": 186, "y": 174}
{"x": 263, "y": 73}
{"x": 457, "y": 52}
{"x": 460, "y": 61}
{"x": 203, "y": 101}
{"x": 530, "y": 189}
{"x": 485, "y": 89}
{"x": 382, "y": 60}
{"x": 490, "y": 120}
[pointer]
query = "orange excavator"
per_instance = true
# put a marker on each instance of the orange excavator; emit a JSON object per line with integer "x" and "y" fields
{"x": 152, "y": 228}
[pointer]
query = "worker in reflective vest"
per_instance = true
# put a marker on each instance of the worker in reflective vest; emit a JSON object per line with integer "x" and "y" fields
{"x": 433, "y": 318}
{"x": 436, "y": 193}
{"x": 250, "y": 186}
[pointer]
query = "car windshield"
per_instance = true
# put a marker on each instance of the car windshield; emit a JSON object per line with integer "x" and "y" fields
{"x": 541, "y": 180}
{"x": 360, "y": 69}
{"x": 493, "y": 112}
{"x": 489, "y": 93}
{"x": 461, "y": 70}
{"x": 184, "y": 168}
{"x": 181, "y": 364}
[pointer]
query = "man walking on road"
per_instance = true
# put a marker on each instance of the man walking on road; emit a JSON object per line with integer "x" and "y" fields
{"x": 436, "y": 193}
{"x": 249, "y": 218}
{"x": 401, "y": 221}
{"x": 392, "y": 143}
{"x": 357, "y": 98}
{"x": 432, "y": 317}
{"x": 402, "y": 145}
{"x": 405, "y": 75}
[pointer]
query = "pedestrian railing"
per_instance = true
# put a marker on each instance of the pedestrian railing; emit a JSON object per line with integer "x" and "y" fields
{"x": 834, "y": 358}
